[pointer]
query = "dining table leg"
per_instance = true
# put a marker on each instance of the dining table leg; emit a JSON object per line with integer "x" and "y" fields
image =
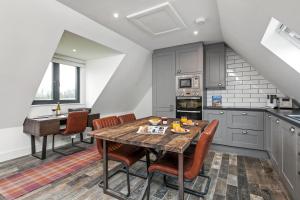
{"x": 105, "y": 167}
{"x": 180, "y": 177}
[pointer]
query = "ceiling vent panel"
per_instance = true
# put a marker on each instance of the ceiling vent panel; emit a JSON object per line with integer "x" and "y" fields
{"x": 158, "y": 20}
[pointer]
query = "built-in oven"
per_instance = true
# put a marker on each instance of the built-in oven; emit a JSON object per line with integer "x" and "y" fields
{"x": 189, "y": 106}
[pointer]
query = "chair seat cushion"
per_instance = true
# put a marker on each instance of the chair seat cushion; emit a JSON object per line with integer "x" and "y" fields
{"x": 127, "y": 154}
{"x": 168, "y": 164}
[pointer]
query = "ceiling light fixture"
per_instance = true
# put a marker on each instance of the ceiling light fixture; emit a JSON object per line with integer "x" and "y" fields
{"x": 116, "y": 15}
{"x": 200, "y": 20}
{"x": 74, "y": 50}
{"x": 195, "y": 32}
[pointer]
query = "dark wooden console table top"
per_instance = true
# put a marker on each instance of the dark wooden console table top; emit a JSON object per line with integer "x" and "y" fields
{"x": 43, "y": 126}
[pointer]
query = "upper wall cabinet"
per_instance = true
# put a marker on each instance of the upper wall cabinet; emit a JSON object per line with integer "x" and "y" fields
{"x": 215, "y": 66}
{"x": 189, "y": 59}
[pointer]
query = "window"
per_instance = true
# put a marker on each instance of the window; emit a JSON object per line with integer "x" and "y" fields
{"x": 61, "y": 83}
{"x": 283, "y": 42}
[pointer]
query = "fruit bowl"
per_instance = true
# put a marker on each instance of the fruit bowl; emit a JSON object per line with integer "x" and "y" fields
{"x": 154, "y": 121}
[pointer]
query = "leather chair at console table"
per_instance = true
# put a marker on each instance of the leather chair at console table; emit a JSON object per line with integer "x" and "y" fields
{"x": 89, "y": 110}
{"x": 126, "y": 154}
{"x": 76, "y": 124}
{"x": 193, "y": 164}
{"x": 127, "y": 118}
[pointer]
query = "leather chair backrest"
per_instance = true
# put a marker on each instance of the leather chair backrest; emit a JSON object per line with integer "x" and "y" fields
{"x": 127, "y": 118}
{"x": 76, "y": 122}
{"x": 103, "y": 123}
{"x": 202, "y": 148}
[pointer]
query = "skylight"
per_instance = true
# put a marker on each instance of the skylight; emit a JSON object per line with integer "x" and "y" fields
{"x": 283, "y": 42}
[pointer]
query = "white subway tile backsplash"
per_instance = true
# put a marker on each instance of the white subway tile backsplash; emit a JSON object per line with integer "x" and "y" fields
{"x": 250, "y": 73}
{"x": 267, "y": 91}
{"x": 245, "y": 87}
{"x": 250, "y": 99}
{"x": 234, "y": 65}
{"x": 242, "y": 95}
{"x": 251, "y": 82}
{"x": 262, "y": 86}
{"x": 257, "y": 77}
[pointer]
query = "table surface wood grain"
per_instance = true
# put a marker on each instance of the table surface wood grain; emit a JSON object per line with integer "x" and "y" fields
{"x": 127, "y": 134}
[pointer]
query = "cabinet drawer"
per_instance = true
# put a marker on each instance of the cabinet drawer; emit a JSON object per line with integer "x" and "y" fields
{"x": 245, "y": 138}
{"x": 245, "y": 120}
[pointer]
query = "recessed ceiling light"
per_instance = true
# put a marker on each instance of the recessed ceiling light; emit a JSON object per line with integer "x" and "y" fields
{"x": 74, "y": 50}
{"x": 116, "y": 15}
{"x": 195, "y": 32}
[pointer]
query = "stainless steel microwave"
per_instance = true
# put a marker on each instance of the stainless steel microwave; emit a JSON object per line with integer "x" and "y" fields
{"x": 188, "y": 82}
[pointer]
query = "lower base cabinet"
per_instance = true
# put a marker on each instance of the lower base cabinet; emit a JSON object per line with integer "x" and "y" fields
{"x": 221, "y": 130}
{"x": 280, "y": 138}
{"x": 245, "y": 138}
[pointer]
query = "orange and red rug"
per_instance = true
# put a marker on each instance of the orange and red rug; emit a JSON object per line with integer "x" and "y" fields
{"x": 26, "y": 181}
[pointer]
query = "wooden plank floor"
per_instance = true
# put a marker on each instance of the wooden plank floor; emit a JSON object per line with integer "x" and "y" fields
{"x": 233, "y": 178}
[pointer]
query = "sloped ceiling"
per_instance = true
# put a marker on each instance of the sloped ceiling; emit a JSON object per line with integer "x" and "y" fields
{"x": 102, "y": 12}
{"x": 31, "y": 31}
{"x": 243, "y": 24}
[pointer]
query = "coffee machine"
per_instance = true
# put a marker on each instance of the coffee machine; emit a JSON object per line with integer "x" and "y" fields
{"x": 272, "y": 101}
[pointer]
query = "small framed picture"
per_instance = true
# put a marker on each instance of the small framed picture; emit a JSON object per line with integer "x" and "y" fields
{"x": 216, "y": 101}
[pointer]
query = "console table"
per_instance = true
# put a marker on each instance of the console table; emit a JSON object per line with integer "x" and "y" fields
{"x": 43, "y": 126}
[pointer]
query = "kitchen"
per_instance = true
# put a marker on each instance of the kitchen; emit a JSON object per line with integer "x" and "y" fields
{"x": 213, "y": 82}
{"x": 171, "y": 99}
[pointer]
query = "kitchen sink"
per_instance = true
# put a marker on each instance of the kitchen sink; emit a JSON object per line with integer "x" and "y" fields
{"x": 295, "y": 117}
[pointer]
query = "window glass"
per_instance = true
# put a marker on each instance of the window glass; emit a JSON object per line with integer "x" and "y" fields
{"x": 67, "y": 78}
{"x": 45, "y": 91}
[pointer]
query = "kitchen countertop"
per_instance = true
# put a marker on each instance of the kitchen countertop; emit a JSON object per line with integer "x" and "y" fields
{"x": 280, "y": 113}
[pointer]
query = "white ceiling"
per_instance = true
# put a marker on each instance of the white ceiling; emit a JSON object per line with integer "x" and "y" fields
{"x": 85, "y": 48}
{"x": 102, "y": 12}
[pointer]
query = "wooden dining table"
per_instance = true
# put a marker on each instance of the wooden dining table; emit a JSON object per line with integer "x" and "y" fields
{"x": 169, "y": 141}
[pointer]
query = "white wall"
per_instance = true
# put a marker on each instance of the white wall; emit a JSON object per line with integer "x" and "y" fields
{"x": 30, "y": 32}
{"x": 144, "y": 108}
{"x": 98, "y": 73}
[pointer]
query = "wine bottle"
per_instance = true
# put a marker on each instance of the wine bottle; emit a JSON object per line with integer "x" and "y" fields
{"x": 58, "y": 108}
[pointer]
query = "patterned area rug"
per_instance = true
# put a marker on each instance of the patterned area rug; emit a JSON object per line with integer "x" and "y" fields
{"x": 26, "y": 181}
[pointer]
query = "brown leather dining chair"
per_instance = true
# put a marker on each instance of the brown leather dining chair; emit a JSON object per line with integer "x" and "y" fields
{"x": 89, "y": 110}
{"x": 127, "y": 155}
{"x": 127, "y": 118}
{"x": 76, "y": 124}
{"x": 168, "y": 164}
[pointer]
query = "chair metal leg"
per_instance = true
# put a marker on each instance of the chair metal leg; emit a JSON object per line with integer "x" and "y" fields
{"x": 62, "y": 153}
{"x": 128, "y": 181}
{"x": 84, "y": 141}
{"x": 190, "y": 191}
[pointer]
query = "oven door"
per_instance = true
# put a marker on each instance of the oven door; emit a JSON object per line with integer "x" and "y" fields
{"x": 196, "y": 115}
{"x": 189, "y": 103}
{"x": 184, "y": 83}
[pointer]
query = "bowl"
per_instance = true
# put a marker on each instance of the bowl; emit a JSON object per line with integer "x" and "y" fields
{"x": 154, "y": 122}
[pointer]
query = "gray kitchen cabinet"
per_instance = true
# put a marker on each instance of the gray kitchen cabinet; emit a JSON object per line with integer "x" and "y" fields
{"x": 245, "y": 120}
{"x": 251, "y": 139}
{"x": 290, "y": 155}
{"x": 276, "y": 142}
{"x": 220, "y": 115}
{"x": 268, "y": 135}
{"x": 215, "y": 66}
{"x": 164, "y": 84}
{"x": 189, "y": 59}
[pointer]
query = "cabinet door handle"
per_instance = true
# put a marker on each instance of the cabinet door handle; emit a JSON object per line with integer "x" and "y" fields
{"x": 244, "y": 132}
{"x": 292, "y": 129}
{"x": 277, "y": 121}
{"x": 269, "y": 116}
{"x": 221, "y": 112}
{"x": 220, "y": 84}
{"x": 244, "y": 113}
